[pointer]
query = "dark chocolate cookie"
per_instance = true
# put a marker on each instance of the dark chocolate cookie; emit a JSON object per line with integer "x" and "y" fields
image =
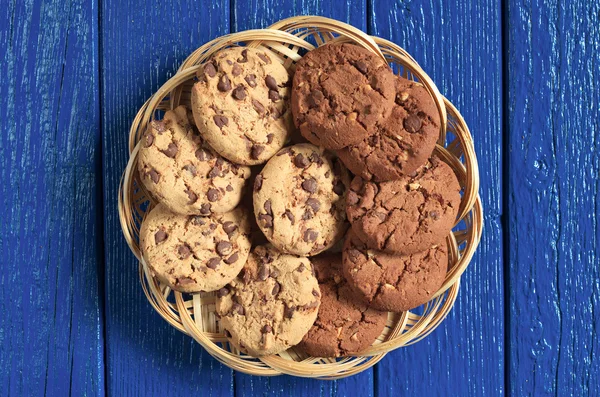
{"x": 390, "y": 281}
{"x": 341, "y": 93}
{"x": 405, "y": 140}
{"x": 344, "y": 325}
{"x": 407, "y": 215}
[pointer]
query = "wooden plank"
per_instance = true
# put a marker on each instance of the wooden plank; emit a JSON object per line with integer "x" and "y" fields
{"x": 257, "y": 14}
{"x": 142, "y": 46}
{"x": 458, "y": 43}
{"x": 554, "y": 238}
{"x": 51, "y": 339}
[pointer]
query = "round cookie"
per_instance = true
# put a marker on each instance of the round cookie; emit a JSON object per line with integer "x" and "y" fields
{"x": 241, "y": 105}
{"x": 183, "y": 172}
{"x": 195, "y": 253}
{"x": 404, "y": 141}
{"x": 407, "y": 215}
{"x": 344, "y": 325}
{"x": 394, "y": 282}
{"x": 341, "y": 93}
{"x": 299, "y": 200}
{"x": 271, "y": 305}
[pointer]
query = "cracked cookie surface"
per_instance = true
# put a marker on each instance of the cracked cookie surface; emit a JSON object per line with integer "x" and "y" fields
{"x": 183, "y": 172}
{"x": 407, "y": 215}
{"x": 241, "y": 105}
{"x": 344, "y": 325}
{"x": 195, "y": 253}
{"x": 341, "y": 93}
{"x": 271, "y": 305}
{"x": 394, "y": 282}
{"x": 405, "y": 140}
{"x": 299, "y": 200}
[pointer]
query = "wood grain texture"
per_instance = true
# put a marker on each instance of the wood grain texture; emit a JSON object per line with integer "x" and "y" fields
{"x": 256, "y": 14}
{"x": 458, "y": 43}
{"x": 554, "y": 195}
{"x": 143, "y": 43}
{"x": 50, "y": 204}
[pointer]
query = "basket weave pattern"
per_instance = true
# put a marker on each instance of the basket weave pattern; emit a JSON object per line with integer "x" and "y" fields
{"x": 195, "y": 314}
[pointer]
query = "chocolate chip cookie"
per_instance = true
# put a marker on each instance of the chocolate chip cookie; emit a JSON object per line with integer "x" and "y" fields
{"x": 183, "y": 172}
{"x": 299, "y": 200}
{"x": 195, "y": 253}
{"x": 241, "y": 105}
{"x": 271, "y": 305}
{"x": 407, "y": 215}
{"x": 404, "y": 141}
{"x": 344, "y": 325}
{"x": 394, "y": 282}
{"x": 341, "y": 94}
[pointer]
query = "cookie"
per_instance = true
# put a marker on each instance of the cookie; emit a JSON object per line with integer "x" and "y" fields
{"x": 299, "y": 200}
{"x": 241, "y": 105}
{"x": 344, "y": 325}
{"x": 404, "y": 141}
{"x": 341, "y": 93}
{"x": 271, "y": 305}
{"x": 394, "y": 282}
{"x": 407, "y": 215}
{"x": 183, "y": 172}
{"x": 195, "y": 253}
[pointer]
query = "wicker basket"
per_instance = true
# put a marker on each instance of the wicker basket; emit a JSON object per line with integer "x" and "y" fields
{"x": 195, "y": 314}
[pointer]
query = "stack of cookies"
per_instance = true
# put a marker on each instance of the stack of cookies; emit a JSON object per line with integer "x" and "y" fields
{"x": 360, "y": 179}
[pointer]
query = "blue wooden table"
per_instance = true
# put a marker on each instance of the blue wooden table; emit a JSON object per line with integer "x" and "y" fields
{"x": 524, "y": 73}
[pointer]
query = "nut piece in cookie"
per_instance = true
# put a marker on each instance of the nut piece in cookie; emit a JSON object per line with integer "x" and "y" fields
{"x": 271, "y": 305}
{"x": 299, "y": 200}
{"x": 341, "y": 94}
{"x": 195, "y": 253}
{"x": 394, "y": 282}
{"x": 183, "y": 172}
{"x": 403, "y": 143}
{"x": 345, "y": 324}
{"x": 241, "y": 104}
{"x": 407, "y": 215}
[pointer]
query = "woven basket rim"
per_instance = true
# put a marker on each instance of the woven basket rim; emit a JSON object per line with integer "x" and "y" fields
{"x": 193, "y": 316}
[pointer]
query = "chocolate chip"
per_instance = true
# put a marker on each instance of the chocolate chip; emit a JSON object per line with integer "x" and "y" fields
{"x": 232, "y": 258}
{"x": 171, "y": 150}
{"x": 159, "y": 125}
{"x": 251, "y": 80}
{"x": 229, "y": 62}
{"x": 229, "y": 227}
{"x": 236, "y": 70}
{"x": 193, "y": 197}
{"x": 361, "y": 66}
{"x": 287, "y": 150}
{"x": 434, "y": 215}
{"x": 213, "y": 263}
{"x": 198, "y": 220}
{"x": 290, "y": 216}
{"x": 266, "y": 329}
{"x": 266, "y": 219}
{"x": 300, "y": 161}
{"x": 190, "y": 168}
{"x": 314, "y": 204}
{"x": 244, "y": 57}
{"x": 258, "y": 106}
{"x": 214, "y": 172}
{"x": 224, "y": 248}
{"x": 267, "y": 207}
{"x": 155, "y": 176}
{"x": 264, "y": 58}
{"x": 310, "y": 235}
{"x": 274, "y": 273}
{"x": 315, "y": 292}
{"x": 222, "y": 292}
{"x": 300, "y": 268}
{"x": 149, "y": 139}
{"x": 229, "y": 188}
{"x": 263, "y": 272}
{"x": 310, "y": 185}
{"x": 315, "y": 98}
{"x": 239, "y": 93}
{"x": 203, "y": 155}
{"x": 160, "y": 236}
{"x": 315, "y": 158}
{"x": 185, "y": 281}
{"x": 352, "y": 198}
{"x": 256, "y": 151}
{"x": 412, "y": 123}
{"x": 276, "y": 288}
{"x": 288, "y": 312}
{"x": 220, "y": 121}
{"x": 273, "y": 95}
{"x": 205, "y": 209}
{"x": 258, "y": 182}
{"x": 224, "y": 84}
{"x": 270, "y": 138}
{"x": 184, "y": 251}
{"x": 237, "y": 308}
{"x": 210, "y": 69}
{"x": 271, "y": 82}
{"x": 212, "y": 194}
{"x": 339, "y": 188}
{"x": 307, "y": 215}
